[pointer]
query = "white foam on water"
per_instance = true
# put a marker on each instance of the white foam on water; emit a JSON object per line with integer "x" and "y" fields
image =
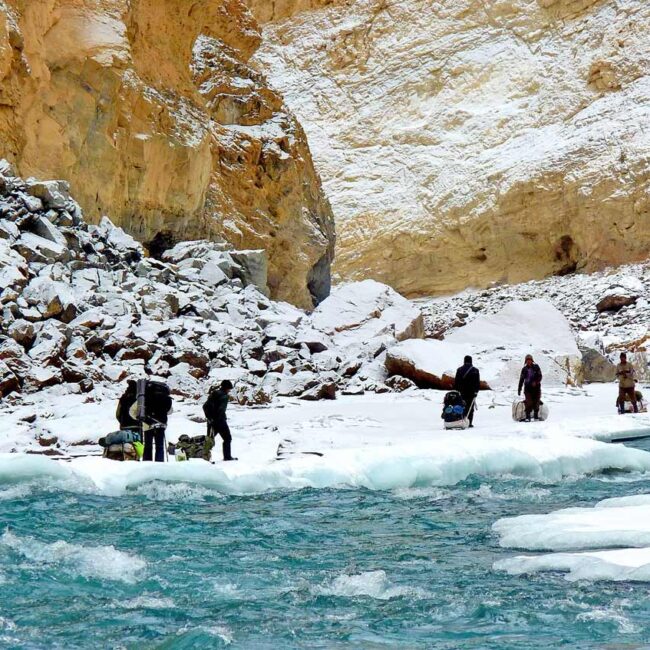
{"x": 221, "y": 632}
{"x": 426, "y": 464}
{"x": 147, "y": 602}
{"x": 372, "y": 584}
{"x": 429, "y": 493}
{"x": 101, "y": 562}
{"x": 19, "y": 491}
{"x": 178, "y": 492}
{"x": 227, "y": 590}
{"x": 609, "y": 615}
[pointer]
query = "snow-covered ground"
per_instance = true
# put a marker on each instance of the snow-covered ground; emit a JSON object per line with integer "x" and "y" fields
{"x": 375, "y": 441}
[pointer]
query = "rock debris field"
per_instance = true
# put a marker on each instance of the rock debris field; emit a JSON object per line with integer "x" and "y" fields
{"x": 83, "y": 306}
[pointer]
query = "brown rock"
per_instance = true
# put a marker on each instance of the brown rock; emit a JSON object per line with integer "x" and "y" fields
{"x": 8, "y": 380}
{"x": 422, "y": 378}
{"x": 615, "y": 302}
{"x": 325, "y": 390}
{"x": 399, "y": 384}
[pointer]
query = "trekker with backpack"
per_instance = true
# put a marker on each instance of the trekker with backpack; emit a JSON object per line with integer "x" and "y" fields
{"x": 531, "y": 380}
{"x": 152, "y": 408}
{"x": 468, "y": 384}
{"x": 215, "y": 411}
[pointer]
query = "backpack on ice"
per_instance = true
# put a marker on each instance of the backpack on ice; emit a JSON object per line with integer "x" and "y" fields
{"x": 453, "y": 411}
{"x": 194, "y": 447}
{"x": 519, "y": 410}
{"x": 122, "y": 445}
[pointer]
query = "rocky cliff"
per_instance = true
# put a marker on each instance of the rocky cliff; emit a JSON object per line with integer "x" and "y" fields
{"x": 465, "y": 142}
{"x": 151, "y": 110}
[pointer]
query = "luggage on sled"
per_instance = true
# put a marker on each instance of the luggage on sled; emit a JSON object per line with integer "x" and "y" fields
{"x": 453, "y": 411}
{"x": 519, "y": 410}
{"x": 641, "y": 404}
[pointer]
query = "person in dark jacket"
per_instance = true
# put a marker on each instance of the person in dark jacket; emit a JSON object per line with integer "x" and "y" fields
{"x": 468, "y": 383}
{"x": 215, "y": 411}
{"x": 531, "y": 381}
{"x": 156, "y": 403}
{"x": 124, "y": 404}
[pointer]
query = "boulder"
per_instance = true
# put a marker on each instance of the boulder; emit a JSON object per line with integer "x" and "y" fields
{"x": 323, "y": 390}
{"x": 253, "y": 395}
{"x": 615, "y": 301}
{"x": 399, "y": 384}
{"x": 8, "y": 380}
{"x": 38, "y": 249}
{"x": 43, "y": 376}
{"x": 499, "y": 343}
{"x": 44, "y": 228}
{"x": 596, "y": 367}
{"x": 122, "y": 243}
{"x": 427, "y": 363}
{"x": 355, "y": 312}
{"x": 53, "y": 194}
{"x": 22, "y": 331}
{"x": 51, "y": 298}
{"x": 9, "y": 230}
{"x": 315, "y": 340}
{"x": 256, "y": 367}
{"x": 252, "y": 268}
{"x": 49, "y": 347}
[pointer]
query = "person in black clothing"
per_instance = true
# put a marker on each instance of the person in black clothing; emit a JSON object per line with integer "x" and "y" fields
{"x": 215, "y": 411}
{"x": 468, "y": 383}
{"x": 531, "y": 380}
{"x": 124, "y": 404}
{"x": 157, "y": 407}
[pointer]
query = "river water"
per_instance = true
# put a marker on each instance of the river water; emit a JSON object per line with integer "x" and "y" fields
{"x": 181, "y": 566}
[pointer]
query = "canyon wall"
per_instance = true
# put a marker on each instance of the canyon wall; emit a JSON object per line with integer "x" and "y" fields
{"x": 463, "y": 142}
{"x": 152, "y": 112}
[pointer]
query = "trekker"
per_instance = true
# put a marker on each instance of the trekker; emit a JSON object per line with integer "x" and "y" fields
{"x": 531, "y": 380}
{"x": 152, "y": 408}
{"x": 124, "y": 404}
{"x": 626, "y": 381}
{"x": 215, "y": 411}
{"x": 468, "y": 383}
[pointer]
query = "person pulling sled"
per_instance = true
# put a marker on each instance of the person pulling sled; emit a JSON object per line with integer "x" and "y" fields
{"x": 468, "y": 384}
{"x": 530, "y": 379}
{"x": 626, "y": 384}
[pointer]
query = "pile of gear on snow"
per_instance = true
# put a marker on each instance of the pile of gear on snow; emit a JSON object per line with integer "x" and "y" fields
{"x": 83, "y": 306}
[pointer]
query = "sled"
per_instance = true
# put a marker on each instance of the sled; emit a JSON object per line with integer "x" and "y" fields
{"x": 641, "y": 405}
{"x": 519, "y": 410}
{"x": 463, "y": 423}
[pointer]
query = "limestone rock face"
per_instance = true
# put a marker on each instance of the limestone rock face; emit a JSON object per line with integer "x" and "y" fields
{"x": 152, "y": 112}
{"x": 466, "y": 142}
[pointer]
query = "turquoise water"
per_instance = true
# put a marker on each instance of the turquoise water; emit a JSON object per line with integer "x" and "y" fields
{"x": 336, "y": 568}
